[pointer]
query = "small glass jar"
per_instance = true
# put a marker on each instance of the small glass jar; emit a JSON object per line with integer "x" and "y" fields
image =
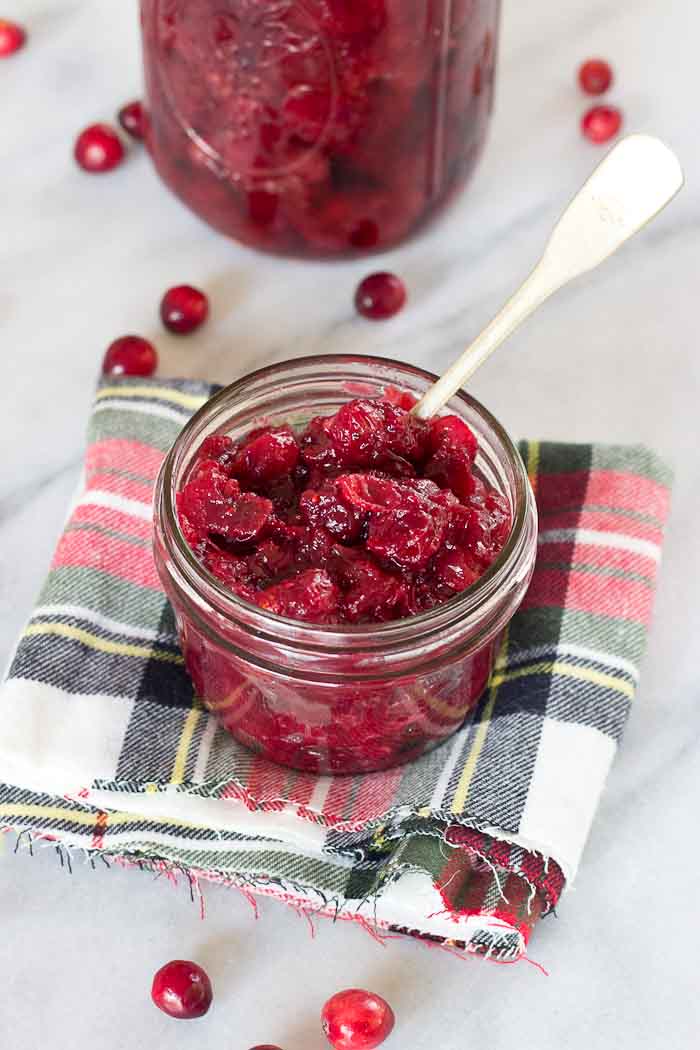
{"x": 341, "y": 698}
{"x": 318, "y": 127}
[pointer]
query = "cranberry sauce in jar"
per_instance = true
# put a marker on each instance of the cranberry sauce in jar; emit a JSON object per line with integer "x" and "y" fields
{"x": 318, "y": 127}
{"x": 364, "y": 516}
{"x": 340, "y": 570}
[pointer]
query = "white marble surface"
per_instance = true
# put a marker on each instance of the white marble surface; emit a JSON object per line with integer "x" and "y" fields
{"x": 614, "y": 358}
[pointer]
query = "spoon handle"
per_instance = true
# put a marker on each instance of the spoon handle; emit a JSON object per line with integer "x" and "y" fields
{"x": 633, "y": 183}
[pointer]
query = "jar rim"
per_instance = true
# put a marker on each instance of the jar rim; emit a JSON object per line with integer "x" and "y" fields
{"x": 461, "y": 606}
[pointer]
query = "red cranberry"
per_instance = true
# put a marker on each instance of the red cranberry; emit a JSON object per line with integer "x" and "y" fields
{"x": 183, "y": 309}
{"x": 208, "y": 494}
{"x": 217, "y": 446}
{"x": 130, "y": 355}
{"x": 407, "y": 537}
{"x": 595, "y": 76}
{"x": 452, "y": 468}
{"x": 310, "y": 596}
{"x": 306, "y": 111}
{"x": 355, "y": 430}
{"x": 370, "y": 493}
{"x": 265, "y": 1046}
{"x": 370, "y": 594}
{"x": 379, "y": 296}
{"x": 12, "y": 38}
{"x": 99, "y": 149}
{"x": 182, "y": 989}
{"x": 242, "y": 521}
{"x": 267, "y": 455}
{"x": 324, "y": 509}
{"x": 452, "y": 432}
{"x": 601, "y": 123}
{"x": 356, "y": 1020}
{"x": 131, "y": 119}
{"x": 456, "y": 569}
{"x": 364, "y": 235}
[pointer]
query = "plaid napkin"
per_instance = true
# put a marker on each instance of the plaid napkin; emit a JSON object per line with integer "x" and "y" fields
{"x": 104, "y": 749}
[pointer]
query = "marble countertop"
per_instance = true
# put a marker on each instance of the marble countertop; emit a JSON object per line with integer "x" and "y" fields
{"x": 612, "y": 358}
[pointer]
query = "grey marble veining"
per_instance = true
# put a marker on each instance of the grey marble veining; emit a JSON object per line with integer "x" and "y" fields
{"x": 612, "y": 358}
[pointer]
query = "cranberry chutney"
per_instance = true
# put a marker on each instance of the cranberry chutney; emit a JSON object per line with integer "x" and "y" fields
{"x": 364, "y": 516}
{"x": 318, "y": 127}
{"x": 341, "y": 571}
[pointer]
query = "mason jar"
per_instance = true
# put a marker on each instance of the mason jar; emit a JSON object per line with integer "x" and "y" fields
{"x": 318, "y": 127}
{"x": 339, "y": 698}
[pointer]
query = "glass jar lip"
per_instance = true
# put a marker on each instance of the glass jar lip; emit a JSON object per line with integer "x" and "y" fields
{"x": 461, "y": 606}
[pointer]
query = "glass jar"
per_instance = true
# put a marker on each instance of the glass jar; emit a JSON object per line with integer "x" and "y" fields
{"x": 318, "y": 127}
{"x": 338, "y": 699}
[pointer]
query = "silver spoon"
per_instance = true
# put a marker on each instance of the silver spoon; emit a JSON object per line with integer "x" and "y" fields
{"x": 635, "y": 181}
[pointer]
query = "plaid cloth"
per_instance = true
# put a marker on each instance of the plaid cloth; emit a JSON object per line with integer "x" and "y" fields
{"x": 103, "y": 747}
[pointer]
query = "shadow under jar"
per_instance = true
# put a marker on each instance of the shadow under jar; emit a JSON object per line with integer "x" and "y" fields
{"x": 318, "y": 127}
{"x": 340, "y": 698}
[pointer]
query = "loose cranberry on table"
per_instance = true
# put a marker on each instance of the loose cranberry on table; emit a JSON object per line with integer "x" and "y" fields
{"x": 379, "y": 296}
{"x": 601, "y": 123}
{"x": 183, "y": 309}
{"x": 12, "y": 38}
{"x": 595, "y": 76}
{"x": 131, "y": 119}
{"x": 182, "y": 989}
{"x": 365, "y": 516}
{"x": 99, "y": 149}
{"x": 130, "y": 355}
{"x": 356, "y": 1020}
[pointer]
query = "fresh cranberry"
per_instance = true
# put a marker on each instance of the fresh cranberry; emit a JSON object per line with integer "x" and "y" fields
{"x": 130, "y": 355}
{"x": 99, "y": 149}
{"x": 182, "y": 989}
{"x": 595, "y": 76}
{"x": 12, "y": 38}
{"x": 183, "y": 308}
{"x": 131, "y": 118}
{"x": 265, "y": 1046}
{"x": 356, "y": 1020}
{"x": 379, "y": 296}
{"x": 601, "y": 123}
